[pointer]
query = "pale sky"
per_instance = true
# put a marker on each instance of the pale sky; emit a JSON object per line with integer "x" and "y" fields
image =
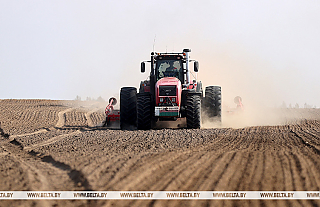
{"x": 262, "y": 50}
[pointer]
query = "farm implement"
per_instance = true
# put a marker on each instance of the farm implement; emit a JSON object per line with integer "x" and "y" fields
{"x": 112, "y": 115}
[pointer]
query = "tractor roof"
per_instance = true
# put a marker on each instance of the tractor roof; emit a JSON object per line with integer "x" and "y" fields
{"x": 168, "y": 56}
{"x": 173, "y": 54}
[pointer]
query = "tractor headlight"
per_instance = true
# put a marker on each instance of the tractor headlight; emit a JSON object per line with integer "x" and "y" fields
{"x": 173, "y": 100}
{"x": 161, "y": 100}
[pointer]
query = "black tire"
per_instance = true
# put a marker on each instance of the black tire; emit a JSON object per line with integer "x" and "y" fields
{"x": 128, "y": 108}
{"x": 213, "y": 102}
{"x": 144, "y": 111}
{"x": 193, "y": 110}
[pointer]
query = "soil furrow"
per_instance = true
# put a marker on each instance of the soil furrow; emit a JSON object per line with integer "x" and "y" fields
{"x": 61, "y": 117}
{"x": 199, "y": 176}
{"x": 218, "y": 171}
{"x": 28, "y": 134}
{"x": 52, "y": 140}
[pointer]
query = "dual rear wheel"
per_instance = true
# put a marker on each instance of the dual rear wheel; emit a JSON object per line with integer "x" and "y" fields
{"x": 135, "y": 109}
{"x": 211, "y": 107}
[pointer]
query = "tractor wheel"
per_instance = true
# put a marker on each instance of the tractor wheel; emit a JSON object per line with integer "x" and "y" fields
{"x": 193, "y": 111}
{"x": 144, "y": 110}
{"x": 128, "y": 108}
{"x": 213, "y": 102}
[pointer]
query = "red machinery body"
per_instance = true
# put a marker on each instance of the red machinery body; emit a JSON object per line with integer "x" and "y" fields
{"x": 112, "y": 115}
{"x": 238, "y": 109}
{"x": 166, "y": 97}
{"x": 169, "y": 86}
{"x": 238, "y": 101}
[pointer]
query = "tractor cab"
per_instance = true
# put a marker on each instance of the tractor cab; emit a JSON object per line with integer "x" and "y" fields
{"x": 169, "y": 67}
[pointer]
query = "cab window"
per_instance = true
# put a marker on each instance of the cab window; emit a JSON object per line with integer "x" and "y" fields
{"x": 169, "y": 68}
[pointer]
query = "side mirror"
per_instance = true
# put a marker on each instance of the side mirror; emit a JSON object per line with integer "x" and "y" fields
{"x": 186, "y": 50}
{"x": 196, "y": 66}
{"x": 143, "y": 67}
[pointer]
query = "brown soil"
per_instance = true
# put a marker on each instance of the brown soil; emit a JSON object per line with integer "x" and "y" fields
{"x": 53, "y": 145}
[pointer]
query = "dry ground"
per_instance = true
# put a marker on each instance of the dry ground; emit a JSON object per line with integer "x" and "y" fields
{"x": 54, "y": 145}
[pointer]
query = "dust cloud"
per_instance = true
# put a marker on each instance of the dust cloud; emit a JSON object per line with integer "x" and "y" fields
{"x": 252, "y": 78}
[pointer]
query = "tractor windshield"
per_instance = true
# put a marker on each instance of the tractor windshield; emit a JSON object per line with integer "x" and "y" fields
{"x": 169, "y": 68}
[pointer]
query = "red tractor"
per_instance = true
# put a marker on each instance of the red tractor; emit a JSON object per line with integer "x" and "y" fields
{"x": 169, "y": 93}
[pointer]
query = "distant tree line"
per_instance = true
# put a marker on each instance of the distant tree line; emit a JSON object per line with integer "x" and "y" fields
{"x": 296, "y": 106}
{"x": 100, "y": 99}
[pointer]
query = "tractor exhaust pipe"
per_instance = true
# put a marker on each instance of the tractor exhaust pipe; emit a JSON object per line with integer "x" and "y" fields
{"x": 186, "y": 51}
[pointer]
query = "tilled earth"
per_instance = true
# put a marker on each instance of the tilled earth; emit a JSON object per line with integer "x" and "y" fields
{"x": 58, "y": 146}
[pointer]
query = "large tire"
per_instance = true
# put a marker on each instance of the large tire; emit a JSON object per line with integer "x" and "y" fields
{"x": 213, "y": 102}
{"x": 193, "y": 109}
{"x": 144, "y": 110}
{"x": 128, "y": 108}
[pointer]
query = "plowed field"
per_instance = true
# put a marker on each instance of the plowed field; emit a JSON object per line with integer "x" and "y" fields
{"x": 57, "y": 145}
